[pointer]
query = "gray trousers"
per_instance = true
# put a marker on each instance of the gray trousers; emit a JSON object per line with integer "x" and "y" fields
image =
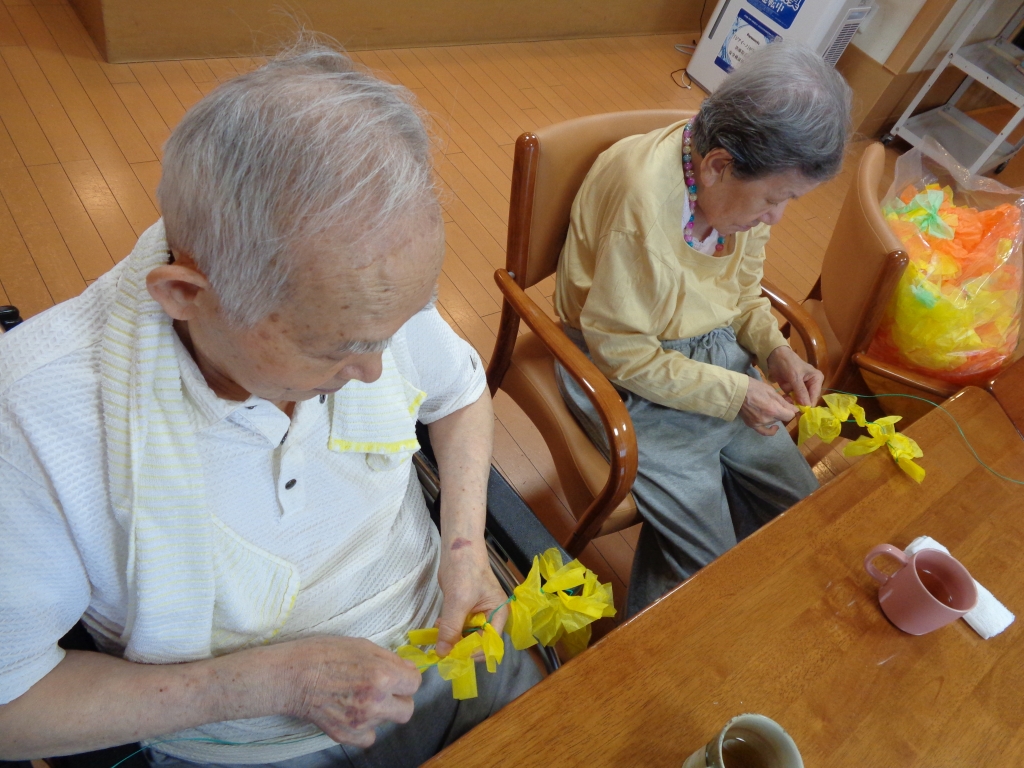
{"x": 437, "y": 721}
{"x": 703, "y": 483}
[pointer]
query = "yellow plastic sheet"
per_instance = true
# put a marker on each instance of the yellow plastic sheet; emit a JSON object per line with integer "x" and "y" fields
{"x": 826, "y": 421}
{"x": 902, "y": 448}
{"x": 555, "y": 602}
{"x": 563, "y": 606}
{"x": 458, "y": 666}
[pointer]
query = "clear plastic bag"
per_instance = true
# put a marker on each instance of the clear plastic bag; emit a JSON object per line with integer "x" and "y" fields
{"x": 956, "y": 312}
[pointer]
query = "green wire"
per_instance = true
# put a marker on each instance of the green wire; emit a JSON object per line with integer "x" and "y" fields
{"x": 510, "y": 599}
{"x": 957, "y": 423}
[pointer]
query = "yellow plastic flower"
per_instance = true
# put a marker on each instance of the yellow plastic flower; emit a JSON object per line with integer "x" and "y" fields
{"x": 902, "y": 448}
{"x": 555, "y": 602}
{"x": 530, "y": 601}
{"x": 458, "y": 666}
{"x": 570, "y": 599}
{"x": 826, "y": 421}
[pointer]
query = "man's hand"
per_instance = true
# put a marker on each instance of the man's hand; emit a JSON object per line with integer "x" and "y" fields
{"x": 796, "y": 377}
{"x": 348, "y": 686}
{"x": 463, "y": 442}
{"x": 469, "y": 587}
{"x": 89, "y": 701}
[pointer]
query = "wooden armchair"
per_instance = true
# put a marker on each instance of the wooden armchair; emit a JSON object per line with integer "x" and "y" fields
{"x": 549, "y": 168}
{"x": 859, "y": 273}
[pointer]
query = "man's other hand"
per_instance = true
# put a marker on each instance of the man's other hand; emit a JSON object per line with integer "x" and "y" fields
{"x": 347, "y": 686}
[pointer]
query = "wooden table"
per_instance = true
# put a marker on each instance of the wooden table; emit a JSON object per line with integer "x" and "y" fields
{"x": 787, "y": 624}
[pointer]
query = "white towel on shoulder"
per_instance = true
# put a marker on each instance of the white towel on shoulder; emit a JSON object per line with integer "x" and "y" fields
{"x": 197, "y": 589}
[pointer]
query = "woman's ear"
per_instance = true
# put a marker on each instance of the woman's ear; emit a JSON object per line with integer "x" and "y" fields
{"x": 179, "y": 288}
{"x": 713, "y": 166}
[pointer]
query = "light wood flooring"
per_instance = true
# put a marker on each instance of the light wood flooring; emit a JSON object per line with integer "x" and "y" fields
{"x": 80, "y": 149}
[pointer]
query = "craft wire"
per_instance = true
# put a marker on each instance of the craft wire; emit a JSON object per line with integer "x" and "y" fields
{"x": 957, "y": 423}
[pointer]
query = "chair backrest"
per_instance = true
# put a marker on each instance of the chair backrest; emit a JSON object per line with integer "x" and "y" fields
{"x": 549, "y": 168}
{"x": 860, "y": 244}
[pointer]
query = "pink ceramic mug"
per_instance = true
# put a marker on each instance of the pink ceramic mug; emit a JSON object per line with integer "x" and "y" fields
{"x": 930, "y": 590}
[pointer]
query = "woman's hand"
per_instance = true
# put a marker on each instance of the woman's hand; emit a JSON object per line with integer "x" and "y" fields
{"x": 796, "y": 377}
{"x": 469, "y": 587}
{"x": 763, "y": 407}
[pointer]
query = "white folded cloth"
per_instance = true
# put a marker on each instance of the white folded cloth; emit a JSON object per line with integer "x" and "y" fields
{"x": 989, "y": 617}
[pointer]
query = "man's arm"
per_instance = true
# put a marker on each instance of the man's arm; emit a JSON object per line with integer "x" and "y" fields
{"x": 346, "y": 686}
{"x": 462, "y": 443}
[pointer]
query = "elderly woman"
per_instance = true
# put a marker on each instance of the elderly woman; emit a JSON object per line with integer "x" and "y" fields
{"x": 659, "y": 281}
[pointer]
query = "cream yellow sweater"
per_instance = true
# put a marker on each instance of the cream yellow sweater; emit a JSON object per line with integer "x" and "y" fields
{"x": 628, "y": 280}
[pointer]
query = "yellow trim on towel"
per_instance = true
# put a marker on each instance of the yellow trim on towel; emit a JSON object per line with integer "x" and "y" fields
{"x": 414, "y": 406}
{"x": 337, "y": 444}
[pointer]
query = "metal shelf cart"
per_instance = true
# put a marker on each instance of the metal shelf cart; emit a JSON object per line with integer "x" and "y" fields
{"x": 994, "y": 64}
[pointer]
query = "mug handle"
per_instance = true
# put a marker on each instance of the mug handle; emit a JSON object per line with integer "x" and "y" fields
{"x": 884, "y": 549}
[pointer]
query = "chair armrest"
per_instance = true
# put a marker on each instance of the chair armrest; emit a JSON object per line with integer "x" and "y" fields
{"x": 810, "y": 332}
{"x": 510, "y": 522}
{"x": 1008, "y": 389}
{"x": 614, "y": 416}
{"x": 927, "y": 384}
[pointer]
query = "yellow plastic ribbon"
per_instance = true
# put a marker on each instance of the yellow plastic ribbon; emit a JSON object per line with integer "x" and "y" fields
{"x": 458, "y": 666}
{"x": 562, "y": 608}
{"x": 826, "y": 421}
{"x": 902, "y": 448}
{"x": 555, "y": 602}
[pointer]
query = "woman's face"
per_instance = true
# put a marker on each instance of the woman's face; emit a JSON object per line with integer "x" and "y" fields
{"x": 734, "y": 205}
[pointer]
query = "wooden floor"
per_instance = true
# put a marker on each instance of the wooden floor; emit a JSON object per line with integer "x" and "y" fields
{"x": 80, "y": 149}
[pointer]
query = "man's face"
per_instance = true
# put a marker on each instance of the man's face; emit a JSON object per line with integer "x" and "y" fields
{"x": 305, "y": 348}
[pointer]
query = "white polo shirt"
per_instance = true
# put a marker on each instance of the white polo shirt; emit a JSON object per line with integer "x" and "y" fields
{"x": 269, "y": 478}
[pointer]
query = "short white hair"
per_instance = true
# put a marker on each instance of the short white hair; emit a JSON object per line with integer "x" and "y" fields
{"x": 273, "y": 159}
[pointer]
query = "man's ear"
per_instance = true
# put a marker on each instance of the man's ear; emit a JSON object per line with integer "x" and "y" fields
{"x": 178, "y": 288}
{"x": 713, "y": 166}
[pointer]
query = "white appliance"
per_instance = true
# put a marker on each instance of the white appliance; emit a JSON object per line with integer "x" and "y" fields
{"x": 738, "y": 27}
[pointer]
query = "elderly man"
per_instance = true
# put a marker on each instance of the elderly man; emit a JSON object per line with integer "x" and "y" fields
{"x": 206, "y": 456}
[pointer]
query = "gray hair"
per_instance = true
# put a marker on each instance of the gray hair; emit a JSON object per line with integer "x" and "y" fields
{"x": 784, "y": 109}
{"x": 277, "y": 157}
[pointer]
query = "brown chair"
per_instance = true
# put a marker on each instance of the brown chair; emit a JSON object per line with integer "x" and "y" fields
{"x": 1008, "y": 388}
{"x": 859, "y": 273}
{"x": 549, "y": 168}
